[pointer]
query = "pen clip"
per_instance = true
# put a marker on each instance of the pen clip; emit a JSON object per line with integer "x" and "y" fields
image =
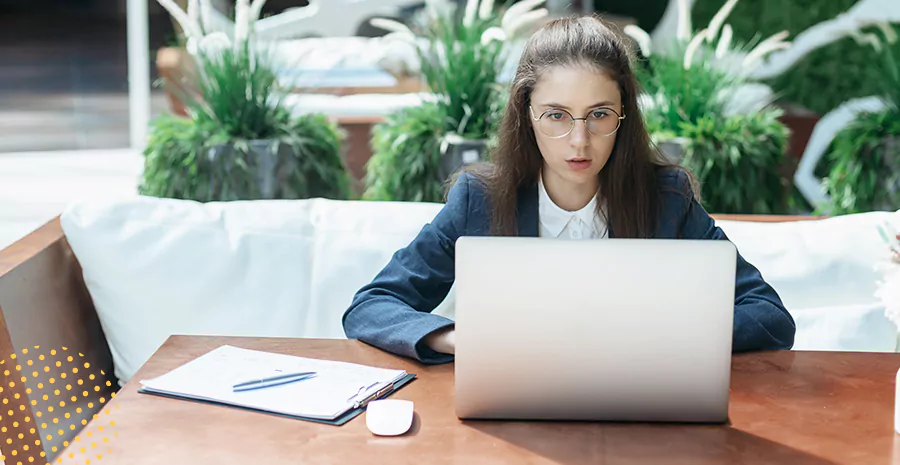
{"x": 388, "y": 387}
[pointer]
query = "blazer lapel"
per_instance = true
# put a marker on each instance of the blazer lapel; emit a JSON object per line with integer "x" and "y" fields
{"x": 527, "y": 211}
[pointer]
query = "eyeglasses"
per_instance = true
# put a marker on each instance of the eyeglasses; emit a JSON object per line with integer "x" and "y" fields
{"x": 557, "y": 122}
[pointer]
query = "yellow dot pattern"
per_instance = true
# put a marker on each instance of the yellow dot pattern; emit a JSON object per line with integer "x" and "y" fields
{"x": 22, "y": 394}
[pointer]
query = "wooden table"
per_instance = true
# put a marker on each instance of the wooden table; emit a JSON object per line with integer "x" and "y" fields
{"x": 786, "y": 408}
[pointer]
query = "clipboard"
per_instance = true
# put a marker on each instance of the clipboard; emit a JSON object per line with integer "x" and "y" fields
{"x": 339, "y": 421}
{"x": 337, "y": 393}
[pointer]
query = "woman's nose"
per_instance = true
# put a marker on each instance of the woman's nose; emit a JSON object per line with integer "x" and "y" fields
{"x": 579, "y": 137}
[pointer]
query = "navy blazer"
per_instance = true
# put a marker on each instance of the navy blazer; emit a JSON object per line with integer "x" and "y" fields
{"x": 393, "y": 312}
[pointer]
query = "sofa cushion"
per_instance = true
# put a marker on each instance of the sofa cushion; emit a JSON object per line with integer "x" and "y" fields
{"x": 157, "y": 267}
{"x": 825, "y": 272}
{"x": 859, "y": 328}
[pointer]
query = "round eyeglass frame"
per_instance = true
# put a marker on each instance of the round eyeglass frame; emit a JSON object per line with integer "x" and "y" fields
{"x": 574, "y": 119}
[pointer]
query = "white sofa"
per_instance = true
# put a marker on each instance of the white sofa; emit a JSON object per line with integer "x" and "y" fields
{"x": 156, "y": 267}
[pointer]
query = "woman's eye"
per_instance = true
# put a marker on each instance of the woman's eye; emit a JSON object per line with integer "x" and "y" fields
{"x": 599, "y": 114}
{"x": 555, "y": 116}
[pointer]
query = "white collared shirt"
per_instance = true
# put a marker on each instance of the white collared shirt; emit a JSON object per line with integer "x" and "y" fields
{"x": 556, "y": 222}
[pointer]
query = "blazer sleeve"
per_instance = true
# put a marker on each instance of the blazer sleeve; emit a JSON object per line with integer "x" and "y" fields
{"x": 761, "y": 321}
{"x": 393, "y": 312}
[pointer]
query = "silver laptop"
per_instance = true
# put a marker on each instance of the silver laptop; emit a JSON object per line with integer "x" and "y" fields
{"x": 617, "y": 329}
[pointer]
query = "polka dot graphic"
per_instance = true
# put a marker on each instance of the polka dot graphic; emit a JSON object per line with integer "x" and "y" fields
{"x": 51, "y": 400}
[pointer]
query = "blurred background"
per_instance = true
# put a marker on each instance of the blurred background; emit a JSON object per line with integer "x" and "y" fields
{"x": 64, "y": 74}
{"x": 96, "y": 96}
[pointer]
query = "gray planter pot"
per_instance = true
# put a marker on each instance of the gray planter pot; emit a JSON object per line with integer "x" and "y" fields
{"x": 257, "y": 173}
{"x": 457, "y": 152}
{"x": 674, "y": 149}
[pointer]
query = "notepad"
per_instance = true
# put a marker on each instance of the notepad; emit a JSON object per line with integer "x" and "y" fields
{"x": 338, "y": 389}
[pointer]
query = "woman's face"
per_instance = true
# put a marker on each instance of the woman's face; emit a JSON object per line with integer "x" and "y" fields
{"x": 575, "y": 154}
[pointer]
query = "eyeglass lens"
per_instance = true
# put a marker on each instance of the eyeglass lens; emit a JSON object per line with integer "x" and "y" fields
{"x": 600, "y": 122}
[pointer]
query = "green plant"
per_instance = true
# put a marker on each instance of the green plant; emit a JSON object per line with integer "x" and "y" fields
{"x": 824, "y": 79}
{"x": 461, "y": 69}
{"x": 865, "y": 165}
{"x": 406, "y": 152}
{"x": 863, "y": 161}
{"x": 240, "y": 92}
{"x": 737, "y": 159}
{"x": 177, "y": 163}
{"x": 732, "y": 143}
{"x": 241, "y": 141}
{"x": 890, "y": 64}
{"x": 683, "y": 94}
{"x": 171, "y": 159}
{"x": 461, "y": 53}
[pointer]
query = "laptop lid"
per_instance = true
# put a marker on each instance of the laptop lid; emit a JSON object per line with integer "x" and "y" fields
{"x": 617, "y": 329}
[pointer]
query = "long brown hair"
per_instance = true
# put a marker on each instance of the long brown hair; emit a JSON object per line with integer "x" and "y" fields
{"x": 628, "y": 181}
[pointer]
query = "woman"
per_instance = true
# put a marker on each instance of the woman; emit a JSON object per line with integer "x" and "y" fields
{"x": 574, "y": 161}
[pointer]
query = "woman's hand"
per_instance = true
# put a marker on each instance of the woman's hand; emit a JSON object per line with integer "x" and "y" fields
{"x": 443, "y": 341}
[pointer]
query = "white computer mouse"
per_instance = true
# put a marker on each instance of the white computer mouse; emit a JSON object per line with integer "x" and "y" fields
{"x": 389, "y": 417}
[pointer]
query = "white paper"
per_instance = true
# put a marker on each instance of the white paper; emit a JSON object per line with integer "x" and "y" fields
{"x": 325, "y": 396}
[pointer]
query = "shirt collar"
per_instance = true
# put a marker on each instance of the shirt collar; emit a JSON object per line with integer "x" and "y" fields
{"x": 554, "y": 219}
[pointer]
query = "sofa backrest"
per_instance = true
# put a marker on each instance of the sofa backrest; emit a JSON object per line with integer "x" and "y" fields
{"x": 156, "y": 267}
{"x": 826, "y": 273}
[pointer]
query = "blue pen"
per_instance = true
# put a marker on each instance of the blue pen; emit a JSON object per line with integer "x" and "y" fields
{"x": 273, "y": 381}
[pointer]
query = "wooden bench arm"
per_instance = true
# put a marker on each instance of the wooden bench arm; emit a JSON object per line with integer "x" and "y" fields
{"x": 44, "y": 302}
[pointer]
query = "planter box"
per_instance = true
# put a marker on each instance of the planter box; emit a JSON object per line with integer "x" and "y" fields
{"x": 457, "y": 152}
{"x": 801, "y": 123}
{"x": 267, "y": 166}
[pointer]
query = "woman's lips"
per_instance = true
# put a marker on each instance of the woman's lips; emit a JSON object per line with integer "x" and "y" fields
{"x": 578, "y": 164}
